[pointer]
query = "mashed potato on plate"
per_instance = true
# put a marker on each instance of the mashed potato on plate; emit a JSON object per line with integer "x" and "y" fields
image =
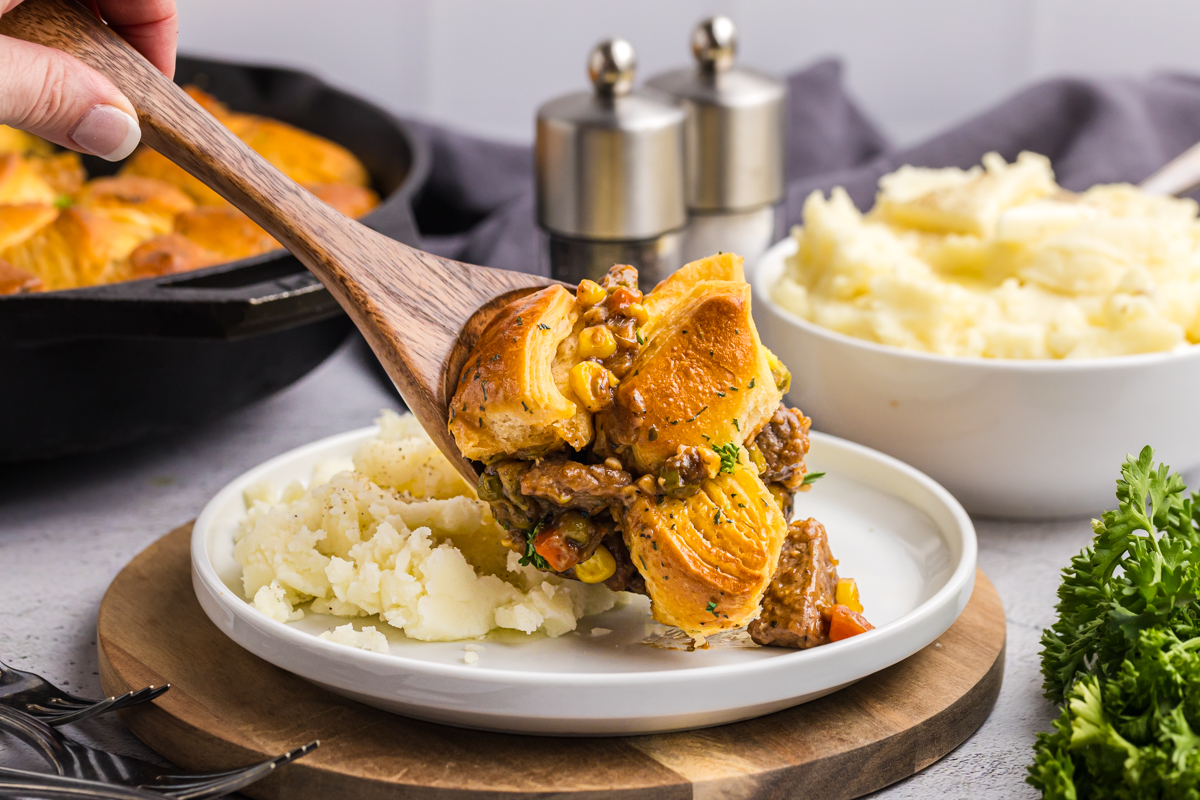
{"x": 400, "y": 536}
{"x": 1000, "y": 262}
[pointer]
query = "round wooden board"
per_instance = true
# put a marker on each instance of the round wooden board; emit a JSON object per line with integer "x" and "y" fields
{"x": 227, "y": 708}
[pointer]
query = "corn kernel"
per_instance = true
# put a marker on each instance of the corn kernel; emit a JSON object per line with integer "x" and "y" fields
{"x": 590, "y": 293}
{"x": 592, "y": 384}
{"x": 638, "y": 312}
{"x": 596, "y": 342}
{"x": 847, "y": 594}
{"x": 600, "y": 567}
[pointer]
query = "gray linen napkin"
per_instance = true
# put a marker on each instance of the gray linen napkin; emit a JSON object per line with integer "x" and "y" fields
{"x": 478, "y": 203}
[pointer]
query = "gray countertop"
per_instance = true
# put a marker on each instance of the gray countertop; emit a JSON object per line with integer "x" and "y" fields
{"x": 67, "y": 527}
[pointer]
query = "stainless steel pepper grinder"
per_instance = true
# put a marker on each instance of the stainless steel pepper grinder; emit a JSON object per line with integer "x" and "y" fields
{"x": 610, "y": 175}
{"x": 735, "y": 131}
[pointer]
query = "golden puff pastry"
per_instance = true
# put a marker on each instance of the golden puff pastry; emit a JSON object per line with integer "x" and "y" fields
{"x": 225, "y": 231}
{"x": 353, "y": 201}
{"x": 512, "y": 397}
{"x": 132, "y": 198}
{"x": 21, "y": 182}
{"x": 63, "y": 171}
{"x": 22, "y": 143}
{"x": 708, "y": 558}
{"x": 80, "y": 248}
{"x": 17, "y": 281}
{"x": 703, "y": 378}
{"x": 168, "y": 255}
{"x": 679, "y": 284}
{"x": 149, "y": 163}
{"x": 302, "y": 156}
{"x": 19, "y": 223}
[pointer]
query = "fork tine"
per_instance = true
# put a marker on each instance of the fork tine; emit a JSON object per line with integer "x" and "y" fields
{"x": 117, "y": 703}
{"x": 19, "y": 783}
{"x": 201, "y": 787}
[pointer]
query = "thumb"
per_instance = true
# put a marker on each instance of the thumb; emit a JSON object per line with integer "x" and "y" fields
{"x": 49, "y": 93}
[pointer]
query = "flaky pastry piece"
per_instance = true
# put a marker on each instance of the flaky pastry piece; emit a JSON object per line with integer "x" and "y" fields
{"x": 708, "y": 558}
{"x": 704, "y": 378}
{"x": 511, "y": 400}
{"x": 132, "y": 198}
{"x": 225, "y": 231}
{"x": 79, "y": 248}
{"x": 169, "y": 254}
{"x": 679, "y": 284}
{"x": 17, "y": 281}
{"x": 19, "y": 223}
{"x": 17, "y": 141}
{"x": 21, "y": 182}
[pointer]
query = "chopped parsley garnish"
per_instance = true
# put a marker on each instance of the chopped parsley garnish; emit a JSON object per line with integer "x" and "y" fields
{"x": 543, "y": 326}
{"x": 736, "y": 425}
{"x": 812, "y": 478}
{"x": 640, "y": 339}
{"x": 711, "y": 607}
{"x": 520, "y": 321}
{"x": 751, "y": 386}
{"x": 729, "y": 456}
{"x": 698, "y": 413}
{"x": 532, "y": 556}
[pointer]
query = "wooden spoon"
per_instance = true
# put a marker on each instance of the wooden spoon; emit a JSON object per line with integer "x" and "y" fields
{"x": 420, "y": 313}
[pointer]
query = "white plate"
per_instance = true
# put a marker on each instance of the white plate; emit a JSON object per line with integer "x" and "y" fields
{"x": 908, "y": 543}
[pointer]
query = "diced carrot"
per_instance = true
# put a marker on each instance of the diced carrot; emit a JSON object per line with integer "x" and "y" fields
{"x": 845, "y": 622}
{"x": 551, "y": 546}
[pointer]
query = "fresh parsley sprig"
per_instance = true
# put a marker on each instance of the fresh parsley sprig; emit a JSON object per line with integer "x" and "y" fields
{"x": 1123, "y": 658}
{"x": 532, "y": 556}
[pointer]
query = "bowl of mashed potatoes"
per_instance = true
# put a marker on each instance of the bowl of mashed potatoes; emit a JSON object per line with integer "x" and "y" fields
{"x": 1010, "y": 338}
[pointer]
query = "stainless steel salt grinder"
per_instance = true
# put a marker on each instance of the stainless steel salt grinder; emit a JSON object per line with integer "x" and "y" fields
{"x": 734, "y": 144}
{"x": 610, "y": 175}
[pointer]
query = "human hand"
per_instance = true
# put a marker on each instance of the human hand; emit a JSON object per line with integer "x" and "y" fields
{"x": 50, "y": 94}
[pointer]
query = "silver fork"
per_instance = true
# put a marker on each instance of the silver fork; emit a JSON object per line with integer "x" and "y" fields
{"x": 37, "y": 697}
{"x": 16, "y": 784}
{"x": 72, "y": 759}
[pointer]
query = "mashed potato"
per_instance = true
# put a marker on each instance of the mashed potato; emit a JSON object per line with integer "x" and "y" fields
{"x": 1000, "y": 262}
{"x": 401, "y": 537}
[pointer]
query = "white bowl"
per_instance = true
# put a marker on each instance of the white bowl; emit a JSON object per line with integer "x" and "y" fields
{"x": 1008, "y": 437}
{"x": 904, "y": 538}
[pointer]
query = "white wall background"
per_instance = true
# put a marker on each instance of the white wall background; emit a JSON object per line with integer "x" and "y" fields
{"x": 485, "y": 65}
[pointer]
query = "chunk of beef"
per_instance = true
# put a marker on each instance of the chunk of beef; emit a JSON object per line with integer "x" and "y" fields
{"x": 683, "y": 472}
{"x": 569, "y": 484}
{"x": 500, "y": 485}
{"x": 802, "y": 593}
{"x": 783, "y": 443}
{"x": 626, "y": 578}
{"x": 620, "y": 275}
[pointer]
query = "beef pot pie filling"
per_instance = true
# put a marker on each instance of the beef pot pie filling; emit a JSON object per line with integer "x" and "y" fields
{"x": 640, "y": 441}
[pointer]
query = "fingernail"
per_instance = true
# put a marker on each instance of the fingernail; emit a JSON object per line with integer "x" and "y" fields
{"x": 106, "y": 131}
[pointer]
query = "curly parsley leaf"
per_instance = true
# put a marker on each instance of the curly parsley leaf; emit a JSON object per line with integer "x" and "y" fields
{"x": 1123, "y": 658}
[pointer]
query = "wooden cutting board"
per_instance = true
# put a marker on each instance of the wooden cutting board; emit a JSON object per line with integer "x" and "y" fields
{"x": 227, "y": 708}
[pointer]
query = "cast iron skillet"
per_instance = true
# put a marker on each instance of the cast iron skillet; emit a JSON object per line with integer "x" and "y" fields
{"x": 91, "y": 368}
